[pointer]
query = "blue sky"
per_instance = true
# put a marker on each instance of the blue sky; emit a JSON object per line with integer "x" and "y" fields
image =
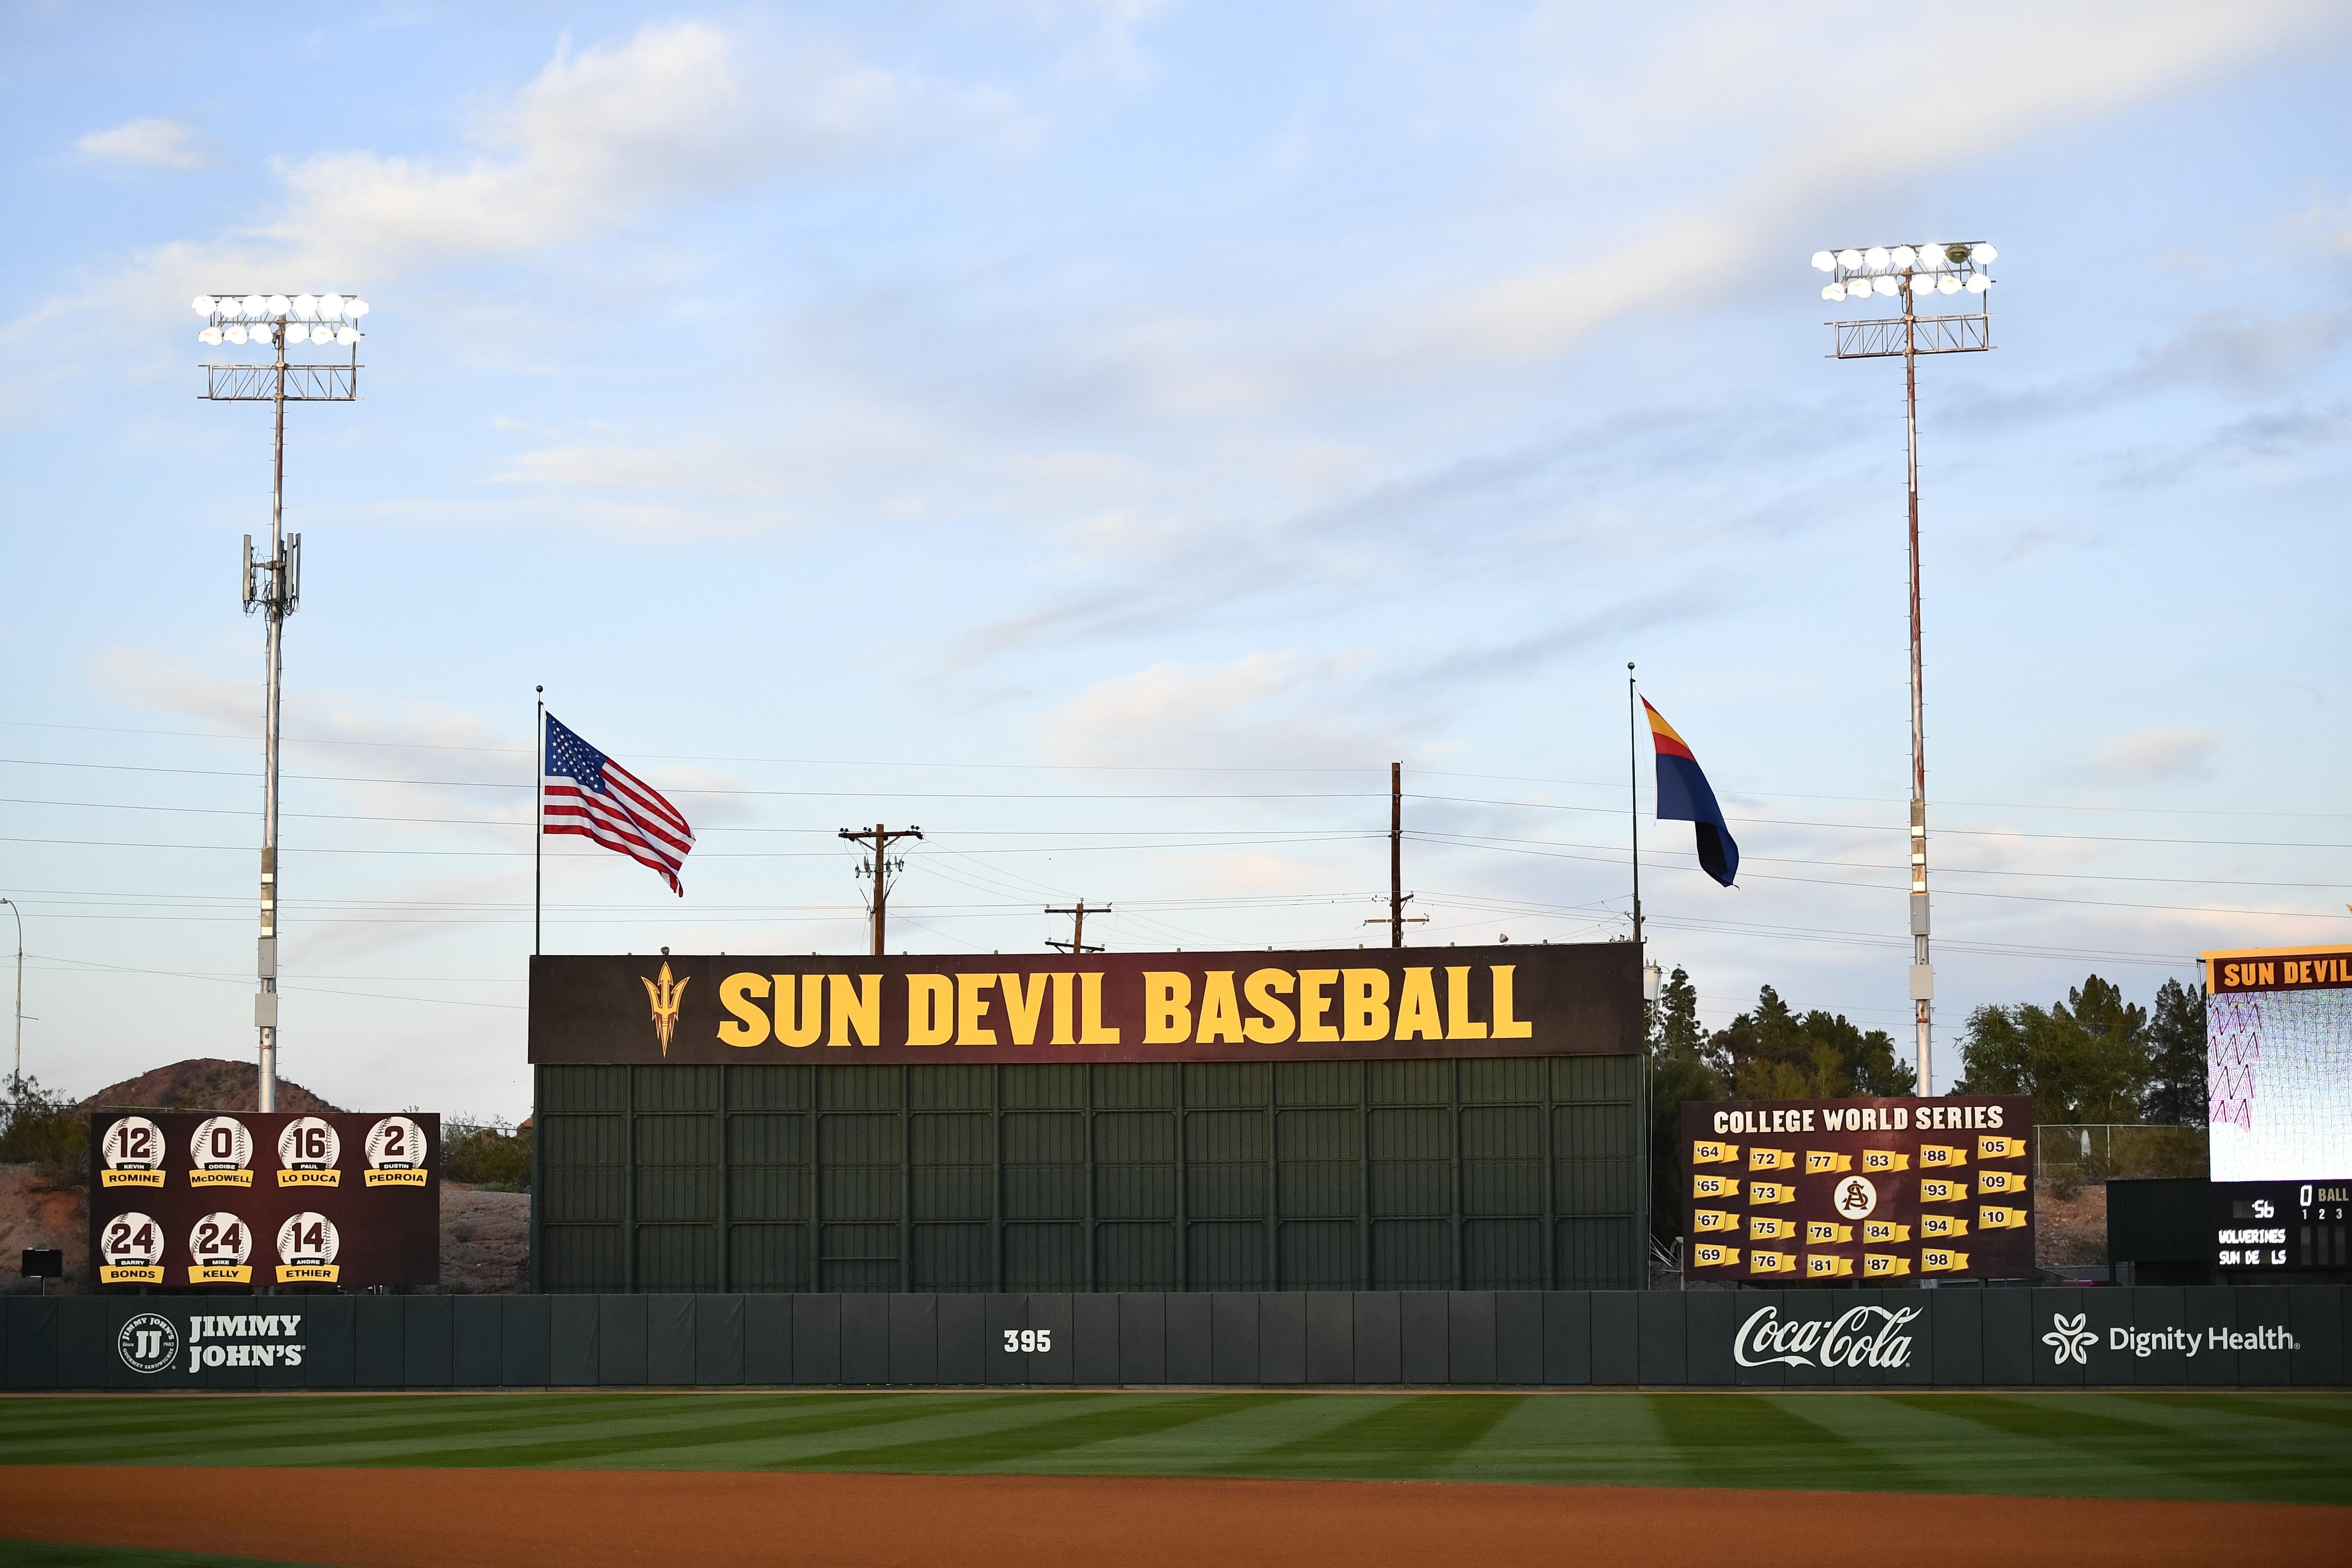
{"x": 1108, "y": 436}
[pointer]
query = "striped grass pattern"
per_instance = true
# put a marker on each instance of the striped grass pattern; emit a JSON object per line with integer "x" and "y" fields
{"x": 2271, "y": 1447}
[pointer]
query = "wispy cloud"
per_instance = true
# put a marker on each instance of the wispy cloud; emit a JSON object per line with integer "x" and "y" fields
{"x": 2162, "y": 754}
{"x": 145, "y": 143}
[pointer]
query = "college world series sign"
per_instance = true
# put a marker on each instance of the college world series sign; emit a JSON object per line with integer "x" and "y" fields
{"x": 244, "y": 1199}
{"x": 1859, "y": 1191}
{"x": 1349, "y": 1004}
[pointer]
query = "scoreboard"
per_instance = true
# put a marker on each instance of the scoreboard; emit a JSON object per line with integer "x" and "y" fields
{"x": 1858, "y": 1191}
{"x": 243, "y": 1199}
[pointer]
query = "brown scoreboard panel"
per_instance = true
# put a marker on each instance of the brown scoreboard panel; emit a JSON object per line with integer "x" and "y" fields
{"x": 1865, "y": 1192}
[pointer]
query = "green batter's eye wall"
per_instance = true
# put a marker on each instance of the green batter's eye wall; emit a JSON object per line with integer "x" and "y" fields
{"x": 1519, "y": 1172}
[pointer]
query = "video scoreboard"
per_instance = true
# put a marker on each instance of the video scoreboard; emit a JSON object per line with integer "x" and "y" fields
{"x": 2278, "y": 1055}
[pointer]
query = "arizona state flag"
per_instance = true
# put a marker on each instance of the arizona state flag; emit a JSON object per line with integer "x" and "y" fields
{"x": 1684, "y": 796}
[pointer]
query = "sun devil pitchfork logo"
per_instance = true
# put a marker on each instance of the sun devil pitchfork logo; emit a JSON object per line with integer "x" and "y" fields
{"x": 2069, "y": 1339}
{"x": 665, "y": 994}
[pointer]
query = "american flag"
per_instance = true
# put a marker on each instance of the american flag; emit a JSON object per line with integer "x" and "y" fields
{"x": 585, "y": 792}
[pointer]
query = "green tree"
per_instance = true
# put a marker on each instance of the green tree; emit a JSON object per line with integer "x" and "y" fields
{"x": 2083, "y": 1061}
{"x": 2176, "y": 1057}
{"x": 1775, "y": 1053}
{"x": 1678, "y": 1072}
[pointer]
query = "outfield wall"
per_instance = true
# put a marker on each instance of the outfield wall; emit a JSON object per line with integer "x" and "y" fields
{"x": 2219, "y": 1336}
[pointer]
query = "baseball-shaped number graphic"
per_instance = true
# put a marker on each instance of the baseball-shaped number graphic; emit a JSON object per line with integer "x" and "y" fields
{"x": 132, "y": 1241}
{"x": 1855, "y": 1197}
{"x": 133, "y": 1143}
{"x": 307, "y": 1238}
{"x": 395, "y": 1143}
{"x": 221, "y": 1143}
{"x": 309, "y": 1143}
{"x": 220, "y": 1237}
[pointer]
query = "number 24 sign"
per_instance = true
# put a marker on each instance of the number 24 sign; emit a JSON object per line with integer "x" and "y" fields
{"x": 1018, "y": 1341}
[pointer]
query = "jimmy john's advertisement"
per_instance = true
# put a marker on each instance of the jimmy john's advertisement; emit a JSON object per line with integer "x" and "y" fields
{"x": 1861, "y": 1192}
{"x": 1502, "y": 1001}
{"x": 241, "y": 1200}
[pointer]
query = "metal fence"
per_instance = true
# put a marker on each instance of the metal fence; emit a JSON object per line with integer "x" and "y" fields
{"x": 1480, "y": 1174}
{"x": 2070, "y": 1156}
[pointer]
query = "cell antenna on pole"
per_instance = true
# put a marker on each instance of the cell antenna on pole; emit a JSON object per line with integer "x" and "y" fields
{"x": 273, "y": 583}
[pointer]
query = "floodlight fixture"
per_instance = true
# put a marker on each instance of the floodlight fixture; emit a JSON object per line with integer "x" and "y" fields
{"x": 274, "y": 584}
{"x": 1918, "y": 273}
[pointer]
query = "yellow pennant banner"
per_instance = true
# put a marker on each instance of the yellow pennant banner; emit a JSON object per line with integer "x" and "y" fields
{"x": 398, "y": 1178}
{"x": 1943, "y": 1224}
{"x": 308, "y": 1273}
{"x": 1885, "y": 1159}
{"x": 1771, "y": 1192}
{"x": 1762, "y": 1262}
{"x": 1771, "y": 1160}
{"x": 1825, "y": 1266}
{"x": 1714, "y": 1154}
{"x": 1714, "y": 1186}
{"x": 1936, "y": 1260}
{"x": 1822, "y": 1162}
{"x": 309, "y": 1178}
{"x": 2000, "y": 1220}
{"x": 1884, "y": 1232}
{"x": 2001, "y": 1181}
{"x": 1713, "y": 1219}
{"x": 1879, "y": 1265}
{"x": 130, "y": 1274}
{"x": 1714, "y": 1255}
{"x": 1764, "y": 1228}
{"x": 133, "y": 1179}
{"x": 220, "y": 1178}
{"x": 1932, "y": 1155}
{"x": 220, "y": 1274}
{"x": 1827, "y": 1233}
{"x": 2000, "y": 1148}
{"x": 1942, "y": 1190}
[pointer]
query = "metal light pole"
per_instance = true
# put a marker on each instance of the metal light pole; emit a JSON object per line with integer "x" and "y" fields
{"x": 16, "y": 1078}
{"x": 1910, "y": 273}
{"x": 274, "y": 586}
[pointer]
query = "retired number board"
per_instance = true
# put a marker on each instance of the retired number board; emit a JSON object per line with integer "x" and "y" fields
{"x": 1865, "y": 1192}
{"x": 238, "y": 1199}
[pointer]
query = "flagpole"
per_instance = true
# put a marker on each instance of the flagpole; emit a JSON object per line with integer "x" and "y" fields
{"x": 538, "y": 816}
{"x": 1634, "y": 795}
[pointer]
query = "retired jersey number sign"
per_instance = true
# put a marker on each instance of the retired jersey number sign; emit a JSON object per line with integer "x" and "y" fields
{"x": 1860, "y": 1191}
{"x": 240, "y": 1199}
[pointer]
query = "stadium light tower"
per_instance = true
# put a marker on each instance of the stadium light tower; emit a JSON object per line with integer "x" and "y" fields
{"x": 1911, "y": 273}
{"x": 274, "y": 586}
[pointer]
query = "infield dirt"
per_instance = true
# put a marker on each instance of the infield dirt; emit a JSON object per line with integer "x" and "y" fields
{"x": 460, "y": 1519}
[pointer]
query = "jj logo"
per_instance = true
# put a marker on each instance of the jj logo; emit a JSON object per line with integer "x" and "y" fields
{"x": 1862, "y": 1336}
{"x": 148, "y": 1344}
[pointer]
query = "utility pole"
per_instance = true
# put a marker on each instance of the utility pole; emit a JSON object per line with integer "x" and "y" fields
{"x": 274, "y": 586}
{"x": 881, "y": 837}
{"x": 1396, "y": 920}
{"x": 1633, "y": 794}
{"x": 1078, "y": 942}
{"x": 16, "y": 1079}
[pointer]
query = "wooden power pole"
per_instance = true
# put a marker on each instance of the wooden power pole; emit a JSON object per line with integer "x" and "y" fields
{"x": 881, "y": 837}
{"x": 1396, "y": 918}
{"x": 1078, "y": 942}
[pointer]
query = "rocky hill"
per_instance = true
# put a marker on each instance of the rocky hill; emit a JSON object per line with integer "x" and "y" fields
{"x": 203, "y": 1083}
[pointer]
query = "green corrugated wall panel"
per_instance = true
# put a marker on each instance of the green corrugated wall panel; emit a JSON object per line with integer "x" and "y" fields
{"x": 1131, "y": 1256}
{"x": 677, "y": 1088}
{"x": 668, "y": 1139}
{"x": 1216, "y": 1135}
{"x": 1407, "y": 1083}
{"x": 1135, "y": 1191}
{"x": 1045, "y": 1192}
{"x": 1596, "y": 1078}
{"x": 1495, "y": 1080}
{"x": 1317, "y": 1135}
{"x": 1597, "y": 1253}
{"x": 569, "y": 1089}
{"x": 1411, "y": 1134}
{"x": 767, "y": 1257}
{"x": 676, "y": 1193}
{"x": 1043, "y": 1086}
{"x": 1412, "y": 1188}
{"x": 1503, "y": 1255}
{"x": 845, "y": 1138}
{"x": 954, "y": 1138}
{"x": 1044, "y": 1257}
{"x": 1135, "y": 1137}
{"x": 1223, "y": 1256}
{"x": 1211, "y": 1086}
{"x": 583, "y": 1257}
{"x": 601, "y": 1141}
{"x": 1321, "y": 1255}
{"x": 1412, "y": 1254}
{"x": 1136, "y": 1085}
{"x": 960, "y": 1087}
{"x": 950, "y": 1258}
{"x": 764, "y": 1088}
{"x": 1317, "y": 1083}
{"x": 859, "y": 1087}
{"x": 1502, "y": 1186}
{"x": 678, "y": 1256}
{"x": 1225, "y": 1192}
{"x": 584, "y": 1193}
{"x": 1045, "y": 1137}
{"x": 767, "y": 1192}
{"x": 760, "y": 1138}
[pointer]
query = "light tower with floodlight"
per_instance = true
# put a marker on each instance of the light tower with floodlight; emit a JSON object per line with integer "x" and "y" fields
{"x": 274, "y": 586}
{"x": 1910, "y": 273}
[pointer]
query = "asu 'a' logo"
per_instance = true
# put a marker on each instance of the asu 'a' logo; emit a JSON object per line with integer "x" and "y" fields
{"x": 665, "y": 994}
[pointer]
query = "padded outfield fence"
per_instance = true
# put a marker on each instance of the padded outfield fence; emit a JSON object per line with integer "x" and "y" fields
{"x": 2192, "y": 1336}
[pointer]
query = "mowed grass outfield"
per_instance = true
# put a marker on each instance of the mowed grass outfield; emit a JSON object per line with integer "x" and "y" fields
{"x": 2234, "y": 1447}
